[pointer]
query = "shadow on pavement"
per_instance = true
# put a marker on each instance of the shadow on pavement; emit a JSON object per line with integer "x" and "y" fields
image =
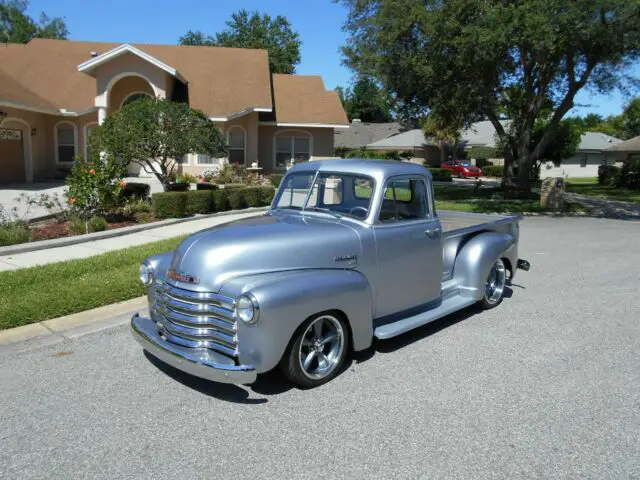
{"x": 271, "y": 383}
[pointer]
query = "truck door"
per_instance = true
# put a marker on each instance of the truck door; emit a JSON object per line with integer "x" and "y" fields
{"x": 408, "y": 246}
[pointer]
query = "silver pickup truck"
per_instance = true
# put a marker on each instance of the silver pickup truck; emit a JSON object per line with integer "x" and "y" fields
{"x": 348, "y": 251}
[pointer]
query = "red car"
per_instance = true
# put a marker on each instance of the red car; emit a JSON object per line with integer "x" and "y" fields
{"x": 462, "y": 169}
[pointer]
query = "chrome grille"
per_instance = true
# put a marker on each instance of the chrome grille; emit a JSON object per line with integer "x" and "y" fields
{"x": 196, "y": 319}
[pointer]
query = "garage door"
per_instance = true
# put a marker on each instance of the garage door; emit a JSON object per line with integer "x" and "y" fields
{"x": 11, "y": 156}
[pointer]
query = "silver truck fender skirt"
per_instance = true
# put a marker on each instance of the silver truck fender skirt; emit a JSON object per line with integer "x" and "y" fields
{"x": 202, "y": 363}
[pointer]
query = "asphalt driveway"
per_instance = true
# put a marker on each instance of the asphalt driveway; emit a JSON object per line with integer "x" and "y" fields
{"x": 545, "y": 386}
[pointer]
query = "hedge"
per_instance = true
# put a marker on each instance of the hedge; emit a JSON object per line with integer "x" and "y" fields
{"x": 230, "y": 186}
{"x": 220, "y": 200}
{"x": 275, "y": 179}
{"x": 608, "y": 175}
{"x": 135, "y": 190}
{"x": 199, "y": 201}
{"x": 169, "y": 204}
{"x": 440, "y": 174}
{"x": 180, "y": 204}
{"x": 178, "y": 187}
{"x": 493, "y": 170}
{"x": 630, "y": 174}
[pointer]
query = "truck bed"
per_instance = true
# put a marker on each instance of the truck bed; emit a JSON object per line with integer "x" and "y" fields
{"x": 461, "y": 222}
{"x": 457, "y": 226}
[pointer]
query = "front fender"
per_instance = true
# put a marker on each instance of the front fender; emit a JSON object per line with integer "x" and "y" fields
{"x": 474, "y": 261}
{"x": 287, "y": 299}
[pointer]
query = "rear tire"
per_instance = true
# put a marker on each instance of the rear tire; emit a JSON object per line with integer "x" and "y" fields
{"x": 317, "y": 351}
{"x": 494, "y": 286}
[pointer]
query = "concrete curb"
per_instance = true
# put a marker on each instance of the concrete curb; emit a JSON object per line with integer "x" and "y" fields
{"x": 118, "y": 232}
{"x": 71, "y": 326}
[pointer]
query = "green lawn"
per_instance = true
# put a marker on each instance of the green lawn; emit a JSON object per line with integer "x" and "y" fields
{"x": 33, "y": 294}
{"x": 590, "y": 186}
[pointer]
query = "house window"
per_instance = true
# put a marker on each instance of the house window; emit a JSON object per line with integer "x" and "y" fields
{"x": 184, "y": 159}
{"x": 204, "y": 159}
{"x": 292, "y": 148}
{"x": 235, "y": 141}
{"x": 583, "y": 161}
{"x": 65, "y": 142}
{"x": 132, "y": 97}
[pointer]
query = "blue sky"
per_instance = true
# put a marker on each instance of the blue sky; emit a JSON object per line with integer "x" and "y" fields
{"x": 319, "y": 23}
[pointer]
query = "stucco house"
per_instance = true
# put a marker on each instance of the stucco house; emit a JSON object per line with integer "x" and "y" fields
{"x": 53, "y": 93}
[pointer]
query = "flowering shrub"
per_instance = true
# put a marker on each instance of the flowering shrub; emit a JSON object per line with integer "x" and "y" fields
{"x": 94, "y": 187}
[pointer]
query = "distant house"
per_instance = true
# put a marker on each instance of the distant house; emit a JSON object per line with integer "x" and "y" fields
{"x": 626, "y": 151}
{"x": 360, "y": 134}
{"x": 412, "y": 141}
{"x": 594, "y": 150}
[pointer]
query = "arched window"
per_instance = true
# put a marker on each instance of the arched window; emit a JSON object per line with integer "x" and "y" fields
{"x": 132, "y": 97}
{"x": 66, "y": 140}
{"x": 236, "y": 137}
{"x": 292, "y": 146}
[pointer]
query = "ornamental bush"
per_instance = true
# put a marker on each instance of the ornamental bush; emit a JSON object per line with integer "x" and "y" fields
{"x": 440, "y": 174}
{"x": 80, "y": 226}
{"x": 275, "y": 179}
{"x": 199, "y": 201}
{"x": 135, "y": 190}
{"x": 94, "y": 188}
{"x": 12, "y": 233}
{"x": 493, "y": 170}
{"x": 608, "y": 175}
{"x": 630, "y": 174}
{"x": 169, "y": 204}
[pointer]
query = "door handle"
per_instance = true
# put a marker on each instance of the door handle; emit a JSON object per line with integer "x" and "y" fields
{"x": 432, "y": 232}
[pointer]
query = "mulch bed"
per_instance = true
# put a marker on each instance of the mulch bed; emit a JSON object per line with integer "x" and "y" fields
{"x": 55, "y": 229}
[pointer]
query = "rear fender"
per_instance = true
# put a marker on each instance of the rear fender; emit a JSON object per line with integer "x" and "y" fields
{"x": 474, "y": 261}
{"x": 287, "y": 299}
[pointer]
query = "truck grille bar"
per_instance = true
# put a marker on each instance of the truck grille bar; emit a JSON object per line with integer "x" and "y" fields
{"x": 196, "y": 319}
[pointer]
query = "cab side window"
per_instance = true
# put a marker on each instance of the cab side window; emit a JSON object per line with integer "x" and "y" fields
{"x": 404, "y": 199}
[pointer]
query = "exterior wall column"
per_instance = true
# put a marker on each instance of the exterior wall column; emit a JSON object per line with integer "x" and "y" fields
{"x": 102, "y": 115}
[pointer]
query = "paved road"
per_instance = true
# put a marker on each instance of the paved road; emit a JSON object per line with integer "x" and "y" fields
{"x": 545, "y": 386}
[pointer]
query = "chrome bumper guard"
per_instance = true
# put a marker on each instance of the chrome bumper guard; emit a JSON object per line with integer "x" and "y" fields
{"x": 200, "y": 362}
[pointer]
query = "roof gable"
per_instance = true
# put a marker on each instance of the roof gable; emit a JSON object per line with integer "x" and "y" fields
{"x": 90, "y": 65}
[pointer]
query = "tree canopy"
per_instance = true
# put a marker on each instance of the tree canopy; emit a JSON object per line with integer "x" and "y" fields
{"x": 155, "y": 133}
{"x": 253, "y": 30}
{"x": 623, "y": 126}
{"x": 17, "y": 27}
{"x": 525, "y": 60}
{"x": 366, "y": 100}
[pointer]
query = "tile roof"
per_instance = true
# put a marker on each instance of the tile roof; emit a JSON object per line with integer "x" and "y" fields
{"x": 632, "y": 146}
{"x": 361, "y": 134}
{"x": 222, "y": 81}
{"x": 303, "y": 99}
{"x": 410, "y": 139}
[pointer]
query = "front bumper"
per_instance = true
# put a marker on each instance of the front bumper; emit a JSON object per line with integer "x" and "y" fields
{"x": 200, "y": 362}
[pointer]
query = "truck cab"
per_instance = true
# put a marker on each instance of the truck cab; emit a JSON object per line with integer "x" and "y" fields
{"x": 349, "y": 250}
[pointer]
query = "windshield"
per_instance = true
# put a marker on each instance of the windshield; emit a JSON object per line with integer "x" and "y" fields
{"x": 337, "y": 194}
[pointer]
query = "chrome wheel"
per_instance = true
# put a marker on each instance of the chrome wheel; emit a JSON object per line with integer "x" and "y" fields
{"x": 496, "y": 281}
{"x": 321, "y": 347}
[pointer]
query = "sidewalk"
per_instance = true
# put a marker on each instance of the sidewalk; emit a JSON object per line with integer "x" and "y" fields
{"x": 96, "y": 247}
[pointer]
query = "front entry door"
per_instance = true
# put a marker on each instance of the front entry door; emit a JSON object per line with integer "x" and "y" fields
{"x": 409, "y": 248}
{"x": 11, "y": 156}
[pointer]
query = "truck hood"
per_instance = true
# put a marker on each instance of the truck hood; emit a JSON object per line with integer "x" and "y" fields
{"x": 269, "y": 243}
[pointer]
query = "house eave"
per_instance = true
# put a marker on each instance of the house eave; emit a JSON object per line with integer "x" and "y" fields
{"x": 241, "y": 113}
{"x": 48, "y": 111}
{"x": 305, "y": 125}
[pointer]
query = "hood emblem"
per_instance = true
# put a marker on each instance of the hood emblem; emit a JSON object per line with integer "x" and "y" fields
{"x": 349, "y": 257}
{"x": 181, "y": 277}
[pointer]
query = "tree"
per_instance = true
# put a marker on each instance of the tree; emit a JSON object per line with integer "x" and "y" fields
{"x": 476, "y": 60}
{"x": 154, "y": 133}
{"x": 366, "y": 100}
{"x": 17, "y": 27}
{"x": 252, "y": 30}
{"x": 631, "y": 119}
{"x": 564, "y": 144}
{"x": 444, "y": 133}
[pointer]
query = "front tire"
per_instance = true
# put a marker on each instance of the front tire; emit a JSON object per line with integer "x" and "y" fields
{"x": 317, "y": 351}
{"x": 494, "y": 286}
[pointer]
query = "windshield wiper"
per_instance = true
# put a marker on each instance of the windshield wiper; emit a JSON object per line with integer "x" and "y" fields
{"x": 324, "y": 210}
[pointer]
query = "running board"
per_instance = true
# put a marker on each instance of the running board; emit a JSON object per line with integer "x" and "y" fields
{"x": 448, "y": 306}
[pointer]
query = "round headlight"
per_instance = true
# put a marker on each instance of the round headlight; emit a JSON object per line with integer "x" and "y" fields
{"x": 247, "y": 309}
{"x": 146, "y": 274}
